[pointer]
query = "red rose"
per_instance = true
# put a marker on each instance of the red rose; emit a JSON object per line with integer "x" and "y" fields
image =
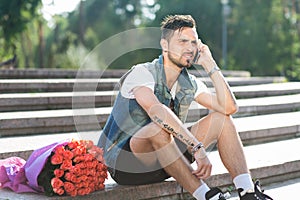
{"x": 73, "y": 144}
{"x": 59, "y": 150}
{"x": 69, "y": 187}
{"x": 101, "y": 186}
{"x": 78, "y": 159}
{"x": 82, "y": 165}
{"x": 59, "y": 191}
{"x": 66, "y": 165}
{"x": 90, "y": 179}
{"x": 59, "y": 173}
{"x": 92, "y": 172}
{"x": 78, "y": 151}
{"x": 92, "y": 152}
{"x": 83, "y": 178}
{"x": 79, "y": 185}
{"x": 56, "y": 183}
{"x": 73, "y": 193}
{"x": 75, "y": 170}
{"x": 101, "y": 179}
{"x": 89, "y": 164}
{"x": 84, "y": 191}
{"x": 74, "y": 179}
{"x": 68, "y": 176}
{"x": 103, "y": 174}
{"x": 95, "y": 163}
{"x": 100, "y": 158}
{"x": 88, "y": 144}
{"x": 86, "y": 184}
{"x": 88, "y": 157}
{"x": 68, "y": 155}
{"x": 56, "y": 159}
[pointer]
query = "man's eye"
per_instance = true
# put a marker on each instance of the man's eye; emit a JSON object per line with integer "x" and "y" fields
{"x": 183, "y": 41}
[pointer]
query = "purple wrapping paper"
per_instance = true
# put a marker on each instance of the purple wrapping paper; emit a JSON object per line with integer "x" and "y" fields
{"x": 36, "y": 163}
{"x": 21, "y": 176}
{"x": 12, "y": 175}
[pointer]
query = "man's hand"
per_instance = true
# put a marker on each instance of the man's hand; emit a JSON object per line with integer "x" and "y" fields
{"x": 204, "y": 166}
{"x": 205, "y": 59}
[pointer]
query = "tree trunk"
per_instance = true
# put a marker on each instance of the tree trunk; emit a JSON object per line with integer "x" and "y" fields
{"x": 41, "y": 47}
{"x": 81, "y": 22}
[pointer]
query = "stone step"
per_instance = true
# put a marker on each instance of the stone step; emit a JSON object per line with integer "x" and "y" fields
{"x": 108, "y": 73}
{"x": 274, "y": 89}
{"x": 264, "y": 164}
{"x": 65, "y": 100}
{"x": 254, "y": 106}
{"x": 103, "y": 84}
{"x": 56, "y": 85}
{"x": 52, "y": 121}
{"x": 66, "y": 120}
{"x": 252, "y": 130}
{"x": 55, "y": 100}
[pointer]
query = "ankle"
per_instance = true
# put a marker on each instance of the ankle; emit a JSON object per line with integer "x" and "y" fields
{"x": 244, "y": 181}
{"x": 200, "y": 192}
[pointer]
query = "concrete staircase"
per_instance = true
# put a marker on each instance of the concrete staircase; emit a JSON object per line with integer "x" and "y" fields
{"x": 38, "y": 107}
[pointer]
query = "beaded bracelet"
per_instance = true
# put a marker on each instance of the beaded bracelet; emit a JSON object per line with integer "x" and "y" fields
{"x": 196, "y": 148}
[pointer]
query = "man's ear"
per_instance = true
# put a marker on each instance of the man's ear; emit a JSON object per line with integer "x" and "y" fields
{"x": 164, "y": 44}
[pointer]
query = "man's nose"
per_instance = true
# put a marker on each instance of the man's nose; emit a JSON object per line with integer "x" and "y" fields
{"x": 190, "y": 46}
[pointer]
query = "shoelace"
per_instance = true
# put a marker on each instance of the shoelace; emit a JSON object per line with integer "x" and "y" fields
{"x": 260, "y": 192}
{"x": 217, "y": 195}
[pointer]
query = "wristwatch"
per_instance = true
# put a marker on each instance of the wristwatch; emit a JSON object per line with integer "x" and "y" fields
{"x": 215, "y": 69}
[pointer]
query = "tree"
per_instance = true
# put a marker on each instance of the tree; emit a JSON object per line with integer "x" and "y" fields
{"x": 14, "y": 16}
{"x": 261, "y": 38}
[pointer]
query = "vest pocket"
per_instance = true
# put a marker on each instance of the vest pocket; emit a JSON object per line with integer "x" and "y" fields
{"x": 184, "y": 100}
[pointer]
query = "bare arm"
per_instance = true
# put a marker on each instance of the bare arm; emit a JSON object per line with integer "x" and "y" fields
{"x": 223, "y": 101}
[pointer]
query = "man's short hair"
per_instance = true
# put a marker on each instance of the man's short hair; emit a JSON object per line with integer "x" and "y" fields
{"x": 172, "y": 23}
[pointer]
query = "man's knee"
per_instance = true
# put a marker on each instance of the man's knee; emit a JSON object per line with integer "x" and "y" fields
{"x": 221, "y": 119}
{"x": 161, "y": 137}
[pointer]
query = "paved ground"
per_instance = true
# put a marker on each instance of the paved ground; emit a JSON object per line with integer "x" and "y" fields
{"x": 288, "y": 190}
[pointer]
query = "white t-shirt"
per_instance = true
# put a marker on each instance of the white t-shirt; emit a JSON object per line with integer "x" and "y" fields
{"x": 140, "y": 76}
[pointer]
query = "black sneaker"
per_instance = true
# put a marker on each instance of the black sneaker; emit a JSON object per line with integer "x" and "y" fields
{"x": 257, "y": 194}
{"x": 216, "y": 194}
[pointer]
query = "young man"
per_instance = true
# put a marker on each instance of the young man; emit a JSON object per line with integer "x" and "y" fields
{"x": 145, "y": 140}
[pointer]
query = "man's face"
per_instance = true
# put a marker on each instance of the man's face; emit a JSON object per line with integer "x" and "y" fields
{"x": 182, "y": 47}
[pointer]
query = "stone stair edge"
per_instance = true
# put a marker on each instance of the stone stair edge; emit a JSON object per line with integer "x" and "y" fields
{"x": 248, "y": 105}
{"x": 102, "y": 98}
{"x": 91, "y": 122}
{"x": 67, "y": 73}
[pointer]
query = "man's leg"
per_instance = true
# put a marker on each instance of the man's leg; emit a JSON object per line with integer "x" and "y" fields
{"x": 220, "y": 128}
{"x": 152, "y": 143}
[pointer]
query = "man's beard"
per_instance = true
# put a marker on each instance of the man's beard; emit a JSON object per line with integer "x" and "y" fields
{"x": 178, "y": 63}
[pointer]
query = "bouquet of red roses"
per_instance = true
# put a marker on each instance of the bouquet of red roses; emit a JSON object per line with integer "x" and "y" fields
{"x": 64, "y": 168}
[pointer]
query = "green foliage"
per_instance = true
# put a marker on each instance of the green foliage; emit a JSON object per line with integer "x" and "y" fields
{"x": 261, "y": 39}
{"x": 14, "y": 17}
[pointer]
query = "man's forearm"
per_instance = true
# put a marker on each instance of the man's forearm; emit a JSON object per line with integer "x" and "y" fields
{"x": 169, "y": 122}
{"x": 224, "y": 94}
{"x": 225, "y": 97}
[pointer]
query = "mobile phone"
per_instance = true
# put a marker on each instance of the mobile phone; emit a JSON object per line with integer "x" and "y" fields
{"x": 196, "y": 57}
